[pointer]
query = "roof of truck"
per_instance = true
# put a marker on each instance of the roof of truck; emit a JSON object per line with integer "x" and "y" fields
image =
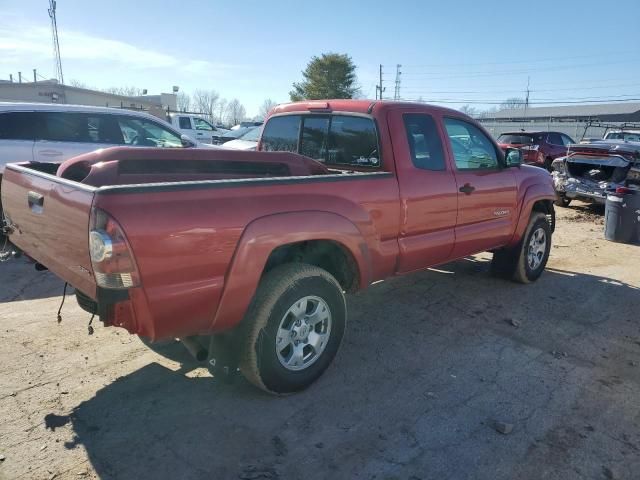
{"x": 351, "y": 105}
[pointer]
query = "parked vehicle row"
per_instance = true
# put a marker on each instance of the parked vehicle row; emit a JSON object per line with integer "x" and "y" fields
{"x": 253, "y": 251}
{"x": 197, "y": 128}
{"x": 538, "y": 148}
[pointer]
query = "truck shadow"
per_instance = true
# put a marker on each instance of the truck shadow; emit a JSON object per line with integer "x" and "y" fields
{"x": 21, "y": 281}
{"x": 427, "y": 357}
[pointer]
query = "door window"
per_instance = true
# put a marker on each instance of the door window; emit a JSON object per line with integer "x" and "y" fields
{"x": 472, "y": 149}
{"x": 201, "y": 124}
{"x": 18, "y": 126}
{"x": 184, "y": 122}
{"x": 424, "y": 142}
{"x": 353, "y": 141}
{"x": 554, "y": 138}
{"x": 566, "y": 139}
{"x": 65, "y": 127}
{"x": 104, "y": 129}
{"x": 144, "y": 133}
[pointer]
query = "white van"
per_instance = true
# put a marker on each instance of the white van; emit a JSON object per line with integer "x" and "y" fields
{"x": 196, "y": 128}
{"x": 46, "y": 132}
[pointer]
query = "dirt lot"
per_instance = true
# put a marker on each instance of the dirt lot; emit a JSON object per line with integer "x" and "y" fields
{"x": 430, "y": 363}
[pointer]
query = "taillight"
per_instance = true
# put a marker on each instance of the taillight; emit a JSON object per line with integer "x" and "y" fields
{"x": 111, "y": 257}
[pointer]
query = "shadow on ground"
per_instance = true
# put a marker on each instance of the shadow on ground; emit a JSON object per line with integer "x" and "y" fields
{"x": 430, "y": 362}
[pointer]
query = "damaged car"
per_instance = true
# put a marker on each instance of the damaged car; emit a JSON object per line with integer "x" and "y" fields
{"x": 589, "y": 171}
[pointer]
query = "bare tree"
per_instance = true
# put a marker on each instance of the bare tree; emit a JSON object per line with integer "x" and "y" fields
{"x": 78, "y": 84}
{"x": 469, "y": 110}
{"x": 128, "y": 91}
{"x": 206, "y": 102}
{"x": 511, "y": 103}
{"x": 222, "y": 110}
{"x": 265, "y": 108}
{"x": 235, "y": 112}
{"x": 183, "y": 101}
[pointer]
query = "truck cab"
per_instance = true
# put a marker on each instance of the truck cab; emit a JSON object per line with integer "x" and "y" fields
{"x": 196, "y": 128}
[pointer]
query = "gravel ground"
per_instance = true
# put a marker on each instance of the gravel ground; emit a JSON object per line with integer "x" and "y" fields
{"x": 444, "y": 374}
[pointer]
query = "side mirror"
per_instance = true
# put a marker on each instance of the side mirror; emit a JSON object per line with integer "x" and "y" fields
{"x": 513, "y": 157}
{"x": 186, "y": 141}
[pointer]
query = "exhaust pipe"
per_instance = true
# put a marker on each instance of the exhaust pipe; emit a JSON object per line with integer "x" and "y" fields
{"x": 194, "y": 347}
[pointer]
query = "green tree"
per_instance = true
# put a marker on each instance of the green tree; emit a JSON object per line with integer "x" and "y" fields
{"x": 331, "y": 75}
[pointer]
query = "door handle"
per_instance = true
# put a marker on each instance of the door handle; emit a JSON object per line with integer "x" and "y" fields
{"x": 467, "y": 189}
{"x": 35, "y": 201}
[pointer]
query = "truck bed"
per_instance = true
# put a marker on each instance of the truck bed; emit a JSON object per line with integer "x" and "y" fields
{"x": 184, "y": 222}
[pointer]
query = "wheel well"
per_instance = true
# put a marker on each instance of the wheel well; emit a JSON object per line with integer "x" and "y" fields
{"x": 331, "y": 256}
{"x": 546, "y": 207}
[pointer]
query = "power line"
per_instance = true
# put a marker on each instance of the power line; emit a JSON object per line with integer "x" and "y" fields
{"x": 517, "y": 62}
{"x": 537, "y": 102}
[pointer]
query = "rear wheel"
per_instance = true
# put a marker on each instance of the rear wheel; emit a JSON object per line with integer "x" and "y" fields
{"x": 293, "y": 329}
{"x": 526, "y": 262}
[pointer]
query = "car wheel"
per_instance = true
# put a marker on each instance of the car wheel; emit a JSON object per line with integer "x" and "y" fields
{"x": 293, "y": 329}
{"x": 547, "y": 164}
{"x": 526, "y": 262}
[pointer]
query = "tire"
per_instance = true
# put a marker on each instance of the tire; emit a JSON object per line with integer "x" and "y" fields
{"x": 287, "y": 294}
{"x": 547, "y": 164}
{"x": 523, "y": 264}
{"x": 562, "y": 201}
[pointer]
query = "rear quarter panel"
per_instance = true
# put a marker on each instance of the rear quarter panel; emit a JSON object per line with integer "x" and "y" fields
{"x": 187, "y": 242}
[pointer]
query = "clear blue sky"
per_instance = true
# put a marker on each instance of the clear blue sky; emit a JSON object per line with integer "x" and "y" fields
{"x": 459, "y": 52}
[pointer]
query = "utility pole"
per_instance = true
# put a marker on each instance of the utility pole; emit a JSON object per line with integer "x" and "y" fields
{"x": 56, "y": 43}
{"x": 396, "y": 94}
{"x": 11, "y": 77}
{"x": 34, "y": 76}
{"x": 379, "y": 88}
{"x": 526, "y": 104}
{"x": 19, "y": 77}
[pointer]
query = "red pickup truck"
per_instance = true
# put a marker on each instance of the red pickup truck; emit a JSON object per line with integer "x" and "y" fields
{"x": 254, "y": 251}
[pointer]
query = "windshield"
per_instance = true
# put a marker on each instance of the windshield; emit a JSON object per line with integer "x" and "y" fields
{"x": 515, "y": 139}
{"x": 253, "y": 135}
{"x": 233, "y": 134}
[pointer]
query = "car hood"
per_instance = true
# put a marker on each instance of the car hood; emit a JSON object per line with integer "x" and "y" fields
{"x": 240, "y": 145}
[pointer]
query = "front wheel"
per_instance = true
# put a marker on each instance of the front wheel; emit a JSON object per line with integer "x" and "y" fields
{"x": 526, "y": 262}
{"x": 293, "y": 329}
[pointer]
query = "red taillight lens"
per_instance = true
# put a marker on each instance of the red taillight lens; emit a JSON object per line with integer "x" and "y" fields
{"x": 111, "y": 258}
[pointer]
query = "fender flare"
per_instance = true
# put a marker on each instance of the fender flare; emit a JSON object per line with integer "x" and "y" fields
{"x": 262, "y": 236}
{"x": 534, "y": 193}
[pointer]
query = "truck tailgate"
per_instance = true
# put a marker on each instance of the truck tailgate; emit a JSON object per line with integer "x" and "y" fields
{"x": 50, "y": 219}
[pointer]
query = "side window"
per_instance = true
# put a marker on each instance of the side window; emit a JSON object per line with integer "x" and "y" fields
{"x": 281, "y": 134}
{"x": 472, "y": 149}
{"x": 145, "y": 133}
{"x": 18, "y": 126}
{"x": 315, "y": 132}
{"x": 566, "y": 139}
{"x": 554, "y": 138}
{"x": 424, "y": 142}
{"x": 66, "y": 127}
{"x": 104, "y": 129}
{"x": 201, "y": 124}
{"x": 353, "y": 141}
{"x": 184, "y": 122}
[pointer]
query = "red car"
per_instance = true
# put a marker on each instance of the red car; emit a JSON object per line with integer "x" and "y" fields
{"x": 254, "y": 251}
{"x": 538, "y": 148}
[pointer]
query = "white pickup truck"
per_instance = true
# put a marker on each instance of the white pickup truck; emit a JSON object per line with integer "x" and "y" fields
{"x": 196, "y": 128}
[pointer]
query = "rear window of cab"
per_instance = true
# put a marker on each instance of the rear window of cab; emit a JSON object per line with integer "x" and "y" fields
{"x": 339, "y": 140}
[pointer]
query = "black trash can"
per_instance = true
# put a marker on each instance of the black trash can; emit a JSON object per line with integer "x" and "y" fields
{"x": 621, "y": 217}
